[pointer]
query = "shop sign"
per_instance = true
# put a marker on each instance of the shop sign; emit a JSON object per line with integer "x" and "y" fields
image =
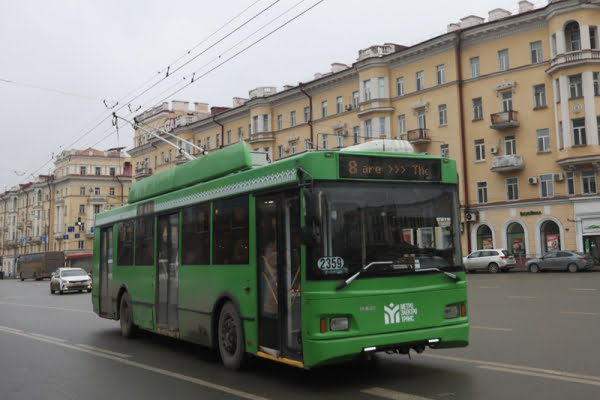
{"x": 525, "y": 213}
{"x": 591, "y": 225}
{"x": 487, "y": 243}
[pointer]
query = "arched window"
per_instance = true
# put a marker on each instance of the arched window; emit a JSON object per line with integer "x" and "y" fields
{"x": 573, "y": 36}
{"x": 484, "y": 238}
{"x": 515, "y": 239}
{"x": 550, "y": 234}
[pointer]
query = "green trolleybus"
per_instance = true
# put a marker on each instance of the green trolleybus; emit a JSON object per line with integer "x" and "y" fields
{"x": 318, "y": 258}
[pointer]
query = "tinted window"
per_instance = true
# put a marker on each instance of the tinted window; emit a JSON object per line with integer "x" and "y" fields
{"x": 144, "y": 240}
{"x": 506, "y": 253}
{"x": 230, "y": 226}
{"x": 125, "y": 244}
{"x": 195, "y": 243}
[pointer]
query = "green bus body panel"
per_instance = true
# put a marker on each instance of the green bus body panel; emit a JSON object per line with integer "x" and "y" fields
{"x": 225, "y": 161}
{"x": 227, "y": 173}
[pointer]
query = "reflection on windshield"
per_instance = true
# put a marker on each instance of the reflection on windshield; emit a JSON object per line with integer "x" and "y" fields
{"x": 410, "y": 224}
{"x": 73, "y": 272}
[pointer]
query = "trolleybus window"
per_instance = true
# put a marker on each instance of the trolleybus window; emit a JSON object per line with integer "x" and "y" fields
{"x": 231, "y": 231}
{"x": 144, "y": 240}
{"x": 195, "y": 241}
{"x": 125, "y": 244}
{"x": 412, "y": 225}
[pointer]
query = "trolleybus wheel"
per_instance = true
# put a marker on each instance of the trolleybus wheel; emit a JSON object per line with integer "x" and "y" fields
{"x": 128, "y": 328}
{"x": 231, "y": 337}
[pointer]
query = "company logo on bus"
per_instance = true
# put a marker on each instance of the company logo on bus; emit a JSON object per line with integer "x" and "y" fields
{"x": 399, "y": 313}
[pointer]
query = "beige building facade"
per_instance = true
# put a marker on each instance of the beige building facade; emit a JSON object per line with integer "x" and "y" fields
{"x": 514, "y": 98}
{"x": 56, "y": 212}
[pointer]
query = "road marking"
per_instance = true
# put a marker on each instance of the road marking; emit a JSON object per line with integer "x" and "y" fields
{"x": 146, "y": 367}
{"x": 392, "y": 394}
{"x": 6, "y": 328}
{"x": 583, "y": 289}
{"x": 579, "y": 313}
{"x": 546, "y": 373}
{"x": 521, "y": 297}
{"x": 489, "y": 328}
{"x": 46, "y": 307}
{"x": 540, "y": 375}
{"x": 114, "y": 353}
{"x": 48, "y": 337}
{"x": 489, "y": 287}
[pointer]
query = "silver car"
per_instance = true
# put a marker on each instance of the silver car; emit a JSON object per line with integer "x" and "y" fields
{"x": 69, "y": 279}
{"x": 560, "y": 261}
{"x": 492, "y": 260}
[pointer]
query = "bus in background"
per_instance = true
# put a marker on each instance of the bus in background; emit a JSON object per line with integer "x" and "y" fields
{"x": 315, "y": 259}
{"x": 79, "y": 259}
{"x": 39, "y": 266}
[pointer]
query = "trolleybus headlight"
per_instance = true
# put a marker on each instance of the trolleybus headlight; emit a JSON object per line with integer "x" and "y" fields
{"x": 452, "y": 311}
{"x": 338, "y": 324}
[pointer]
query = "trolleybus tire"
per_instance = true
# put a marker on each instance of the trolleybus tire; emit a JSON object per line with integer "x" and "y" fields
{"x": 230, "y": 334}
{"x": 493, "y": 268}
{"x": 128, "y": 328}
{"x": 572, "y": 267}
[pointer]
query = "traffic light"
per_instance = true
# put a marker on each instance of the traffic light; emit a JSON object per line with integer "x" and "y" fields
{"x": 79, "y": 223}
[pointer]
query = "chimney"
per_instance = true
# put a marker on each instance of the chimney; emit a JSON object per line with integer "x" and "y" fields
{"x": 498, "y": 13}
{"x": 470, "y": 20}
{"x": 524, "y": 6}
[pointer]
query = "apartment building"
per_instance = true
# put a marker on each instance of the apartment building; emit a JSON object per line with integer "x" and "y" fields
{"x": 513, "y": 97}
{"x": 56, "y": 212}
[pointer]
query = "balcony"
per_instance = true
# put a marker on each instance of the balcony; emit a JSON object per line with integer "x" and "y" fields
{"x": 507, "y": 163}
{"x": 141, "y": 173}
{"x": 261, "y": 137}
{"x": 96, "y": 199}
{"x": 416, "y": 136}
{"x": 504, "y": 120}
{"x": 573, "y": 58}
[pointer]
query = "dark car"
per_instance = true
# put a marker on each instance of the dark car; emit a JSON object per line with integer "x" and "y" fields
{"x": 560, "y": 261}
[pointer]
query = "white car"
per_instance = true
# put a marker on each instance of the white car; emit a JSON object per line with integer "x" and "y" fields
{"x": 492, "y": 260}
{"x": 70, "y": 279}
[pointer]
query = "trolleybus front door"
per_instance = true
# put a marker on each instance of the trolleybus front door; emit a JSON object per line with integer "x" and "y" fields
{"x": 278, "y": 251}
{"x": 167, "y": 274}
{"x": 105, "y": 273}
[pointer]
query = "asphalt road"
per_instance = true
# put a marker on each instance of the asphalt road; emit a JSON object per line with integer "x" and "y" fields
{"x": 533, "y": 336}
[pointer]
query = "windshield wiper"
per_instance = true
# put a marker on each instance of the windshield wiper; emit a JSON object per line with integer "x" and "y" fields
{"x": 455, "y": 278}
{"x": 363, "y": 269}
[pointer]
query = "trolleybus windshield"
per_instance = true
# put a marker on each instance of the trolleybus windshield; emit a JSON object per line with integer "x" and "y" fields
{"x": 403, "y": 227}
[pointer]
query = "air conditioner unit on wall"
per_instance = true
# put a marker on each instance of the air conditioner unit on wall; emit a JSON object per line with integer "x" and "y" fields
{"x": 494, "y": 149}
{"x": 559, "y": 177}
{"x": 348, "y": 107}
{"x": 532, "y": 180}
{"x": 470, "y": 217}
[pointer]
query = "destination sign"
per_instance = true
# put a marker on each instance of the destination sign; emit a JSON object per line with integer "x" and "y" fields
{"x": 412, "y": 169}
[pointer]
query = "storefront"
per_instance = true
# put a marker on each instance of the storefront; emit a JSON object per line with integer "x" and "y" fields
{"x": 591, "y": 237}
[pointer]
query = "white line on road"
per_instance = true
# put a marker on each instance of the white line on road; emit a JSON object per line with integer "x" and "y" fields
{"x": 540, "y": 375}
{"x": 114, "y": 353}
{"x": 579, "y": 313}
{"x": 48, "y": 337}
{"x": 583, "y": 289}
{"x": 392, "y": 394}
{"x": 489, "y": 328}
{"x": 6, "y": 328}
{"x": 521, "y": 297}
{"x": 547, "y": 373}
{"x": 489, "y": 287}
{"x": 146, "y": 367}
{"x": 46, "y": 307}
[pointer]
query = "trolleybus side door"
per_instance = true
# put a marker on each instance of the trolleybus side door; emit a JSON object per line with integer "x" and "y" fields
{"x": 167, "y": 273}
{"x": 278, "y": 252}
{"x": 105, "y": 273}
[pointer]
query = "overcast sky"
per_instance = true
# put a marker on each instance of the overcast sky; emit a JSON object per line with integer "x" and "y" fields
{"x": 64, "y": 64}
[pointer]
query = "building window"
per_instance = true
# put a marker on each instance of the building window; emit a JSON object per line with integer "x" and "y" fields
{"x": 369, "y": 128}
{"x": 477, "y": 109}
{"x": 573, "y": 36}
{"x": 440, "y": 73}
{"x": 596, "y": 85}
{"x": 401, "y": 124}
{"x": 474, "y": 62}
{"x": 575, "y": 86}
{"x": 503, "y": 63}
{"x": 400, "y": 86}
{"x": 112, "y": 171}
{"x": 588, "y": 182}
{"x": 381, "y": 88}
{"x": 307, "y": 144}
{"x": 512, "y": 189}
{"x": 266, "y": 124}
{"x": 325, "y": 142}
{"x": 356, "y": 134}
{"x": 98, "y": 171}
{"x": 240, "y": 135}
{"x": 482, "y": 196}
{"x": 443, "y": 115}
{"x": 80, "y": 245}
{"x": 355, "y": 99}
{"x": 382, "y": 130}
{"x": 81, "y": 170}
{"x": 228, "y": 137}
{"x": 579, "y": 138}
{"x": 539, "y": 96}
{"x": 420, "y": 80}
{"x": 444, "y": 151}
{"x": 421, "y": 119}
{"x": 280, "y": 151}
{"x": 293, "y": 118}
{"x": 279, "y": 122}
{"x": 97, "y": 208}
{"x": 507, "y": 101}
{"x": 207, "y": 144}
{"x": 217, "y": 144}
{"x": 340, "y": 140}
{"x": 82, "y": 191}
{"x": 570, "y": 183}
{"x": 111, "y": 191}
{"x": 546, "y": 185}
{"x": 510, "y": 145}
{"x": 479, "y": 150}
{"x": 543, "y": 140}
{"x": 324, "y": 109}
{"x": 536, "y": 52}
{"x": 81, "y": 209}
{"x": 367, "y": 89}
{"x": 294, "y": 147}
{"x": 593, "y": 43}
{"x": 339, "y": 106}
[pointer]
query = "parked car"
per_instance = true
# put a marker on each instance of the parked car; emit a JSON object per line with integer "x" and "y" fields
{"x": 492, "y": 260}
{"x": 69, "y": 279}
{"x": 560, "y": 261}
